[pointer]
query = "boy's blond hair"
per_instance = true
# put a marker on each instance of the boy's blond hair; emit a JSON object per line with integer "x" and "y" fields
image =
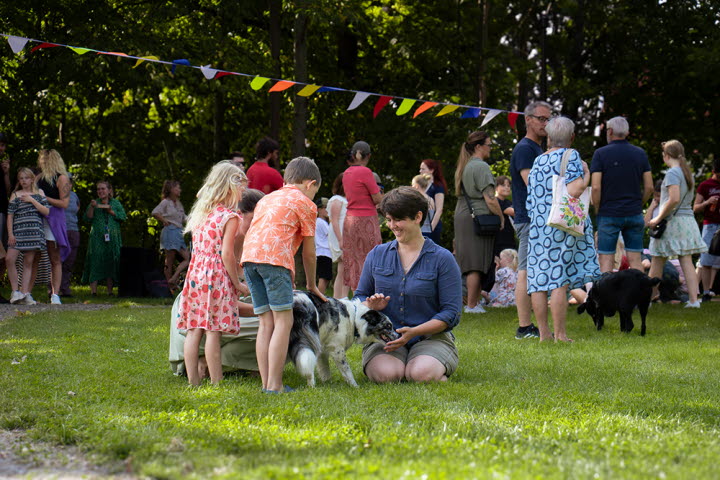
{"x": 300, "y": 169}
{"x": 223, "y": 185}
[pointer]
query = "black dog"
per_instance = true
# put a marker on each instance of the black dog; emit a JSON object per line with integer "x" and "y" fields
{"x": 620, "y": 292}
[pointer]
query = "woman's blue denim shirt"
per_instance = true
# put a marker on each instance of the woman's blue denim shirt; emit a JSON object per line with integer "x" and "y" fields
{"x": 432, "y": 289}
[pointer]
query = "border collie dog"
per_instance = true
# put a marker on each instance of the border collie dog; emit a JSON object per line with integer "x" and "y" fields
{"x": 327, "y": 329}
{"x": 619, "y": 292}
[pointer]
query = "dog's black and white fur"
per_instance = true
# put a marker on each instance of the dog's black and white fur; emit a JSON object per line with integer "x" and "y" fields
{"x": 620, "y": 292}
{"x": 327, "y": 329}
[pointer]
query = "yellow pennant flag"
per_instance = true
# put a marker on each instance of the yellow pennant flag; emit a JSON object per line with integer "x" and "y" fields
{"x": 447, "y": 109}
{"x": 308, "y": 90}
{"x": 141, "y": 60}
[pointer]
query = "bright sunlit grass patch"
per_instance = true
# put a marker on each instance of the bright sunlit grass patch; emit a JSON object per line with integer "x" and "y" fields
{"x": 610, "y": 405}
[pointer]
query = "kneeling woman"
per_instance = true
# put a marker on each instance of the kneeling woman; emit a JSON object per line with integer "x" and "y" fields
{"x": 418, "y": 285}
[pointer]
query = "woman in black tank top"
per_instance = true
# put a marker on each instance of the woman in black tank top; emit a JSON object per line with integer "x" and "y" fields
{"x": 53, "y": 181}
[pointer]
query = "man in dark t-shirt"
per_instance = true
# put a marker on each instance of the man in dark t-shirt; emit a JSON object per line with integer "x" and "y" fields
{"x": 621, "y": 183}
{"x": 537, "y": 116}
{"x": 707, "y": 201}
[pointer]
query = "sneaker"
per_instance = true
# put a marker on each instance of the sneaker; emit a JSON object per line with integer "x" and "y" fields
{"x": 476, "y": 309}
{"x": 16, "y": 297}
{"x": 693, "y": 305}
{"x": 55, "y": 299}
{"x": 527, "y": 332}
{"x": 28, "y": 300}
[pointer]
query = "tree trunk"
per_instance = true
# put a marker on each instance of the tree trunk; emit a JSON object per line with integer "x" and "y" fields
{"x": 220, "y": 146}
{"x": 482, "y": 86}
{"x": 300, "y": 123}
{"x": 275, "y": 11}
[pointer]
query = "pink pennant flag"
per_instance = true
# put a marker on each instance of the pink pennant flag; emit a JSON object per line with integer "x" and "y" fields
{"x": 384, "y": 100}
{"x": 425, "y": 106}
{"x": 17, "y": 43}
{"x": 117, "y": 54}
{"x": 359, "y": 98}
{"x": 512, "y": 119}
{"x": 44, "y": 45}
{"x": 405, "y": 106}
{"x": 489, "y": 116}
{"x": 281, "y": 85}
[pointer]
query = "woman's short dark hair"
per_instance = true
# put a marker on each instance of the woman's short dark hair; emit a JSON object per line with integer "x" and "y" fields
{"x": 403, "y": 203}
{"x": 250, "y": 198}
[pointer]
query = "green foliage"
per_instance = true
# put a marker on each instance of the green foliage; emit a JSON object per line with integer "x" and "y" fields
{"x": 610, "y": 405}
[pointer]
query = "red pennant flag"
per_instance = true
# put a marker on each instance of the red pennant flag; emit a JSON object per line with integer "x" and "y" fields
{"x": 281, "y": 85}
{"x": 224, "y": 74}
{"x": 384, "y": 100}
{"x": 512, "y": 119}
{"x": 44, "y": 45}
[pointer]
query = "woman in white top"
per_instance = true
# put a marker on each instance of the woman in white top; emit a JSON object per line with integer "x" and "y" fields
{"x": 337, "y": 208}
{"x": 172, "y": 215}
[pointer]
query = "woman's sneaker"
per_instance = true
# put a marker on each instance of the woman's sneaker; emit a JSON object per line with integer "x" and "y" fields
{"x": 28, "y": 300}
{"x": 17, "y": 297}
{"x": 55, "y": 299}
{"x": 476, "y": 309}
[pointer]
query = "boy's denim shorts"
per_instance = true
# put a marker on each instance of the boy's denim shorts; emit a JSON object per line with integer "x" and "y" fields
{"x": 271, "y": 287}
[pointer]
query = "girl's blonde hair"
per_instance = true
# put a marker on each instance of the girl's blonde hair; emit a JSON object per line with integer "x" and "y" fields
{"x": 423, "y": 180}
{"x": 223, "y": 186}
{"x": 52, "y": 165}
{"x": 27, "y": 171}
{"x": 512, "y": 253}
{"x": 674, "y": 149}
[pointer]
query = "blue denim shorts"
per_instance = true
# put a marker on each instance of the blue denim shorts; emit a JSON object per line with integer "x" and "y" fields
{"x": 632, "y": 229}
{"x": 707, "y": 260}
{"x": 271, "y": 287}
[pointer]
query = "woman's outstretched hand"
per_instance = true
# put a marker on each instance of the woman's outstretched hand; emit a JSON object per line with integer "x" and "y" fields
{"x": 377, "y": 301}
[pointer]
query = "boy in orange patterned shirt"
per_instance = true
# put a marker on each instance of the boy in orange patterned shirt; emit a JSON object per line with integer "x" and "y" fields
{"x": 283, "y": 220}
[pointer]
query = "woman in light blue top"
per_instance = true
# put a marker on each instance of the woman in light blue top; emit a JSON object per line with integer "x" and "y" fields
{"x": 682, "y": 235}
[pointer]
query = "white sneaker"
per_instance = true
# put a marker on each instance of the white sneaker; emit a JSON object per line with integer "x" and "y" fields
{"x": 693, "y": 305}
{"x": 476, "y": 309}
{"x": 28, "y": 300}
{"x": 55, "y": 299}
{"x": 16, "y": 297}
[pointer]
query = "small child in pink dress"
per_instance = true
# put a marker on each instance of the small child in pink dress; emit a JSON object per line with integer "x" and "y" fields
{"x": 503, "y": 292}
{"x": 210, "y": 296}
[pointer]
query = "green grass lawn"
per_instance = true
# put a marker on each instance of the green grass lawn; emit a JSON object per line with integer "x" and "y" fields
{"x": 610, "y": 405}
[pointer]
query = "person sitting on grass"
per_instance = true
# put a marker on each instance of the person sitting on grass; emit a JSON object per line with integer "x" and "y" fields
{"x": 417, "y": 284}
{"x": 503, "y": 291}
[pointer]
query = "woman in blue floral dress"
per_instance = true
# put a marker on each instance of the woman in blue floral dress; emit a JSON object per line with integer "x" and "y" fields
{"x": 556, "y": 260}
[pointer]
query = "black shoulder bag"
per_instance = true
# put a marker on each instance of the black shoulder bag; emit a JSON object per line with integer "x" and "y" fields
{"x": 658, "y": 230}
{"x": 484, "y": 225}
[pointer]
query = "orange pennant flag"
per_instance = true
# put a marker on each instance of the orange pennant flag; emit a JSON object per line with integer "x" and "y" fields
{"x": 425, "y": 106}
{"x": 281, "y": 85}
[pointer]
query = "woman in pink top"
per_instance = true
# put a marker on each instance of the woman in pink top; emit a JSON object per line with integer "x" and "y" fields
{"x": 361, "y": 230}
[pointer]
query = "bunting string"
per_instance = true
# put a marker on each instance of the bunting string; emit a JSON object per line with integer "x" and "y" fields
{"x": 257, "y": 82}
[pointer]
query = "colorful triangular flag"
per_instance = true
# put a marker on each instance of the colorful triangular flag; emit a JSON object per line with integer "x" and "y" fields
{"x": 359, "y": 98}
{"x": 489, "y": 116}
{"x": 384, "y": 100}
{"x": 17, "y": 43}
{"x": 405, "y": 106}
{"x": 208, "y": 73}
{"x": 425, "y": 106}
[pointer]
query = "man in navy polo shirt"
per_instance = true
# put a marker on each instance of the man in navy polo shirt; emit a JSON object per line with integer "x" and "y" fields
{"x": 621, "y": 184}
{"x": 537, "y": 116}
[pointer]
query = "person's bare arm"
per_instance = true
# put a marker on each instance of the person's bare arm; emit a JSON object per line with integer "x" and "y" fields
{"x": 439, "y": 204}
{"x": 335, "y": 210}
{"x": 376, "y": 197}
{"x": 493, "y": 205}
{"x": 648, "y": 186}
{"x": 310, "y": 265}
{"x": 596, "y": 180}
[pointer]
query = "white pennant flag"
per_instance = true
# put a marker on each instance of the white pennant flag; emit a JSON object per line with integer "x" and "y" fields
{"x": 489, "y": 116}
{"x": 17, "y": 43}
{"x": 360, "y": 97}
{"x": 208, "y": 72}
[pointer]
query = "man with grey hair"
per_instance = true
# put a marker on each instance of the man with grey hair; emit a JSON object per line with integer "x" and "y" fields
{"x": 537, "y": 115}
{"x": 621, "y": 183}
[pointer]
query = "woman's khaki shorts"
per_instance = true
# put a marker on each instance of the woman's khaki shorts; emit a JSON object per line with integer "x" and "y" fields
{"x": 440, "y": 346}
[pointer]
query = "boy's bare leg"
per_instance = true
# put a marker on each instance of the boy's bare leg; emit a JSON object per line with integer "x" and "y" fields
{"x": 262, "y": 344}
{"x": 277, "y": 352}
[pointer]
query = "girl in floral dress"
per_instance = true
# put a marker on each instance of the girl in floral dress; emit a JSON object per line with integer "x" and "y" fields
{"x": 503, "y": 291}
{"x": 210, "y": 296}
